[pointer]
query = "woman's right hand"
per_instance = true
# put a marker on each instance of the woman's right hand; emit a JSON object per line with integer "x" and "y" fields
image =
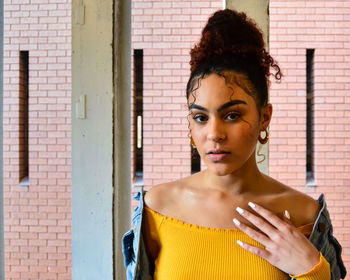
{"x": 285, "y": 247}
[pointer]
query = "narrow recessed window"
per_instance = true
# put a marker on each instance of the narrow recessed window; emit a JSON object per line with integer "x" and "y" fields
{"x": 195, "y": 161}
{"x": 138, "y": 117}
{"x": 23, "y": 118}
{"x": 310, "y": 117}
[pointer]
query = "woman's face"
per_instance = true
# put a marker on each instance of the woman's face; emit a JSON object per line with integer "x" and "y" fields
{"x": 225, "y": 123}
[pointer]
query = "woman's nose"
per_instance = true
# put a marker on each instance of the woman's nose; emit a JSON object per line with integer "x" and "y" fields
{"x": 216, "y": 131}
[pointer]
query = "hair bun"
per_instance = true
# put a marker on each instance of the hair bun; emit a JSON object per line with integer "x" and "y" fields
{"x": 231, "y": 34}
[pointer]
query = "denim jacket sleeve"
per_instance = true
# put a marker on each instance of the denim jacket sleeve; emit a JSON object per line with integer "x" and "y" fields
{"x": 322, "y": 238}
{"x": 136, "y": 261}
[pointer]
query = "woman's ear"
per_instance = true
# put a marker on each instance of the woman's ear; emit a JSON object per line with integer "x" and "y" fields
{"x": 266, "y": 114}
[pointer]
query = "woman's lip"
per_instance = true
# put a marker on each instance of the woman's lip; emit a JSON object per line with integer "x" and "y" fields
{"x": 217, "y": 151}
{"x": 217, "y": 156}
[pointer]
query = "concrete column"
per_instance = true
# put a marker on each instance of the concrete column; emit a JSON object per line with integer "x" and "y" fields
{"x": 101, "y": 169}
{"x": 122, "y": 130}
{"x": 2, "y": 257}
{"x": 92, "y": 139}
{"x": 259, "y": 11}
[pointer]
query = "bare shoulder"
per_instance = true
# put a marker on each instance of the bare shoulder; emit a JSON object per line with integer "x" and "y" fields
{"x": 160, "y": 196}
{"x": 303, "y": 208}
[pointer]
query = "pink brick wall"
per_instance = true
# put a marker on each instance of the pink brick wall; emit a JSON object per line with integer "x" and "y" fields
{"x": 166, "y": 30}
{"x": 38, "y": 217}
{"x": 323, "y": 26}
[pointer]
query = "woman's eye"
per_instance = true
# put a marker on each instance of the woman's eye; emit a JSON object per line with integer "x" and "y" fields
{"x": 232, "y": 116}
{"x": 200, "y": 118}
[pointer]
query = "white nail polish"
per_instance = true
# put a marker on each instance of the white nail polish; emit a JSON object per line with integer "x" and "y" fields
{"x": 240, "y": 243}
{"x": 236, "y": 222}
{"x": 239, "y": 210}
{"x": 286, "y": 213}
{"x": 251, "y": 204}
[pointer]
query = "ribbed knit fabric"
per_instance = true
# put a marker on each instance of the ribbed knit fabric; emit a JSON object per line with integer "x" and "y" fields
{"x": 184, "y": 251}
{"x": 321, "y": 271}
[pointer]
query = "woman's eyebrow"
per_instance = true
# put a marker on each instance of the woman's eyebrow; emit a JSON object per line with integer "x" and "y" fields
{"x": 222, "y": 107}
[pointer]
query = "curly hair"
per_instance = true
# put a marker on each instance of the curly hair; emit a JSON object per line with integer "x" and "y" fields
{"x": 231, "y": 41}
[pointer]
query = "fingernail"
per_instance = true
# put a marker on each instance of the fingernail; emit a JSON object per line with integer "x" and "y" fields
{"x": 236, "y": 222}
{"x": 239, "y": 210}
{"x": 286, "y": 213}
{"x": 240, "y": 243}
{"x": 251, "y": 204}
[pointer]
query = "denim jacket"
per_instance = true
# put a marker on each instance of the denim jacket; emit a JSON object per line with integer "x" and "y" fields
{"x": 138, "y": 266}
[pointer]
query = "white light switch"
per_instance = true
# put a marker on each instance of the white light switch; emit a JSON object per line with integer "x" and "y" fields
{"x": 80, "y": 105}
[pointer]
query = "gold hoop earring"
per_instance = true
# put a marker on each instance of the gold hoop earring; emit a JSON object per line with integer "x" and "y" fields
{"x": 192, "y": 142}
{"x": 265, "y": 139}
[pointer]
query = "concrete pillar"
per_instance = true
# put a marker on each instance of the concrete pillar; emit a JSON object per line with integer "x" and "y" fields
{"x": 259, "y": 11}
{"x": 122, "y": 130}
{"x": 100, "y": 136}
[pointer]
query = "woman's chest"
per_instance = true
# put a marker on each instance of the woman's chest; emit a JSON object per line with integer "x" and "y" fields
{"x": 211, "y": 213}
{"x": 188, "y": 252}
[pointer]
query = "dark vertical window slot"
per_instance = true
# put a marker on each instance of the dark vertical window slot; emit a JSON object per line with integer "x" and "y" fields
{"x": 138, "y": 117}
{"x": 195, "y": 161}
{"x": 310, "y": 117}
{"x": 23, "y": 118}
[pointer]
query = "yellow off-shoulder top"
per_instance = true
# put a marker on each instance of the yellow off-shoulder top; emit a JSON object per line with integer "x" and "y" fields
{"x": 183, "y": 251}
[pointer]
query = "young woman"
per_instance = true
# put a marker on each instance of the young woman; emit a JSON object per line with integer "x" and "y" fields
{"x": 230, "y": 221}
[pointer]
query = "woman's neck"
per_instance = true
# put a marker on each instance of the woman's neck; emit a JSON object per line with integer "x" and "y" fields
{"x": 248, "y": 179}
